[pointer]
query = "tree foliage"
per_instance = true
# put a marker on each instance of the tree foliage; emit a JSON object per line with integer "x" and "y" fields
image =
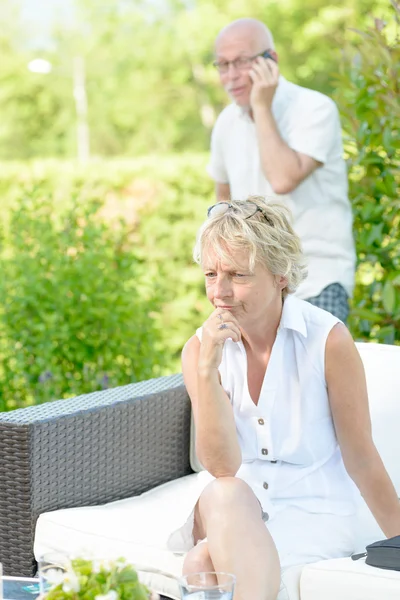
{"x": 150, "y": 83}
{"x": 368, "y": 94}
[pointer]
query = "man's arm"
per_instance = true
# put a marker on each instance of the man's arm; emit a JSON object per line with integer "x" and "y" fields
{"x": 283, "y": 167}
{"x": 223, "y": 192}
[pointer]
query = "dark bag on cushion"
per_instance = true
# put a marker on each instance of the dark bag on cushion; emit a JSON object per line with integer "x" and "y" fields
{"x": 384, "y": 554}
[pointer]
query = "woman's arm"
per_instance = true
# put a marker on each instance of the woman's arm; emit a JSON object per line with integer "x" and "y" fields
{"x": 348, "y": 399}
{"x": 217, "y": 443}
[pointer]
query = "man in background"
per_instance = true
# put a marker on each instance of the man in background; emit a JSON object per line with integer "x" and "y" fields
{"x": 282, "y": 141}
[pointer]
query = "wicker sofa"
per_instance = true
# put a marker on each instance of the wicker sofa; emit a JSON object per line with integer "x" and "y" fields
{"x": 106, "y": 446}
{"x": 88, "y": 450}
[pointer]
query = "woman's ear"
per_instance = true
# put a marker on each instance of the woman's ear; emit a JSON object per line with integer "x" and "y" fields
{"x": 281, "y": 281}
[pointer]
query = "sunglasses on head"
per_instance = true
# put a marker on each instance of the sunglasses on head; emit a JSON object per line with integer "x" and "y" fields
{"x": 247, "y": 210}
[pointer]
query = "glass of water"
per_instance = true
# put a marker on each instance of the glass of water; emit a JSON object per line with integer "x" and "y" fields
{"x": 209, "y": 585}
{"x": 52, "y": 568}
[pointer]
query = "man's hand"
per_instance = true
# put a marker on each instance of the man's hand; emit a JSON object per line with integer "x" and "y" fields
{"x": 265, "y": 77}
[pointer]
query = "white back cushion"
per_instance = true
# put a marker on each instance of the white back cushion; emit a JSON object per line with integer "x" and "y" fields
{"x": 382, "y": 371}
{"x": 193, "y": 458}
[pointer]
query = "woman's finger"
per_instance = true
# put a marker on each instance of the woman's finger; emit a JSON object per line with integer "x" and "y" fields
{"x": 228, "y": 330}
{"x": 224, "y": 316}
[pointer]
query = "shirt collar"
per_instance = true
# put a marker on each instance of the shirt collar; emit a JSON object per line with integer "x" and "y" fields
{"x": 292, "y": 316}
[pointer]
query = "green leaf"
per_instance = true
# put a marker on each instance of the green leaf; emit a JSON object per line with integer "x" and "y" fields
{"x": 387, "y": 334}
{"x": 375, "y": 234}
{"x": 388, "y": 297}
{"x": 387, "y": 138}
{"x": 366, "y": 314}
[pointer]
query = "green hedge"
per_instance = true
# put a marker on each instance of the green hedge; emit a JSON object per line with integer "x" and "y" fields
{"x": 98, "y": 286}
{"x": 78, "y": 311}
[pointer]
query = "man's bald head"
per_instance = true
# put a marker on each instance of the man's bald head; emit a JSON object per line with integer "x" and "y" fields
{"x": 258, "y": 34}
{"x": 237, "y": 47}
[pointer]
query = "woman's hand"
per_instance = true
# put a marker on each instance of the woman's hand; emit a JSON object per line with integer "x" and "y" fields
{"x": 220, "y": 326}
{"x": 217, "y": 442}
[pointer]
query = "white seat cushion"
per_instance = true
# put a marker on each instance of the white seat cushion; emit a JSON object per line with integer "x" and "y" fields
{"x": 136, "y": 529}
{"x": 345, "y": 579}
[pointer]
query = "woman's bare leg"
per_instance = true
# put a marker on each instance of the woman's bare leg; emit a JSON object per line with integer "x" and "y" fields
{"x": 198, "y": 560}
{"x": 229, "y": 515}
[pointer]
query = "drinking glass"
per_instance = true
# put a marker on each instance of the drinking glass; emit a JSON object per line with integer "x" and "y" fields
{"x": 52, "y": 568}
{"x": 209, "y": 585}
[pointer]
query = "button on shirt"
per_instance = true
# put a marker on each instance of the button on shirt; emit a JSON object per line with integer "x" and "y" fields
{"x": 290, "y": 454}
{"x": 309, "y": 123}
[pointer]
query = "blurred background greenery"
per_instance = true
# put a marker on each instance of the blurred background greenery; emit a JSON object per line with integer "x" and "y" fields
{"x": 150, "y": 82}
{"x": 98, "y": 287}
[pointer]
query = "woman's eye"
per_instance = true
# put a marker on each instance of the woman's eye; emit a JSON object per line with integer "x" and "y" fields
{"x": 209, "y": 275}
{"x": 240, "y": 275}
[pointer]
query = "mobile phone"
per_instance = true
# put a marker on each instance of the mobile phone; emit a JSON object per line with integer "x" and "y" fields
{"x": 266, "y": 54}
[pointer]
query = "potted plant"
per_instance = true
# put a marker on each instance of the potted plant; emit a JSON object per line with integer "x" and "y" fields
{"x": 85, "y": 579}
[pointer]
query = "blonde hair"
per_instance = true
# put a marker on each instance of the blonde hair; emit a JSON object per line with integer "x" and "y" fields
{"x": 267, "y": 236}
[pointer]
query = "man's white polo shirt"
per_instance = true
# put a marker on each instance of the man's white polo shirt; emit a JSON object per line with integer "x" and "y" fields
{"x": 309, "y": 123}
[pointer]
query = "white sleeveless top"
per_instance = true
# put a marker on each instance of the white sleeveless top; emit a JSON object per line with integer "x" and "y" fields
{"x": 290, "y": 453}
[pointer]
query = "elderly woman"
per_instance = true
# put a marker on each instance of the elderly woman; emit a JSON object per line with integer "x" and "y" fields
{"x": 281, "y": 412}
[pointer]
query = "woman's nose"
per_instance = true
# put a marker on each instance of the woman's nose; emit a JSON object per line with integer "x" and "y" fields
{"x": 223, "y": 288}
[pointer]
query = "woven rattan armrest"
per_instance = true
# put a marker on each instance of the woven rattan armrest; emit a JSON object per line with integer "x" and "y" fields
{"x": 87, "y": 450}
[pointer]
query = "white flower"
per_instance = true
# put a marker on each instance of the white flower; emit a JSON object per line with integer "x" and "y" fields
{"x": 96, "y": 566}
{"x": 71, "y": 582}
{"x": 54, "y": 576}
{"x": 106, "y": 564}
{"x": 111, "y": 595}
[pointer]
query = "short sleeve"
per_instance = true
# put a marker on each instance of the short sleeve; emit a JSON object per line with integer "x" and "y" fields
{"x": 315, "y": 128}
{"x": 216, "y": 167}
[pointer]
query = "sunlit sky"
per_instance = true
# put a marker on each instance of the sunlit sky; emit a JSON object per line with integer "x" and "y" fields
{"x": 41, "y": 14}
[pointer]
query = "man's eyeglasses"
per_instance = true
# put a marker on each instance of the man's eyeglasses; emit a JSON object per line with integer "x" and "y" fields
{"x": 247, "y": 209}
{"x": 241, "y": 63}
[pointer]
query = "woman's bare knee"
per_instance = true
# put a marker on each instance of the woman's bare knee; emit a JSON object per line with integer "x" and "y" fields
{"x": 227, "y": 493}
{"x": 198, "y": 560}
{"x": 225, "y": 503}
